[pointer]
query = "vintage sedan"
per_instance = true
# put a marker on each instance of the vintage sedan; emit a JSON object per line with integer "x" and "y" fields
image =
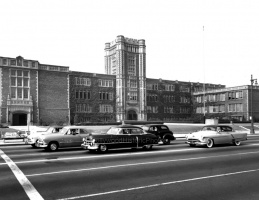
{"x": 33, "y": 137}
{"x": 7, "y": 133}
{"x": 162, "y": 131}
{"x": 68, "y": 136}
{"x": 215, "y": 134}
{"x": 124, "y": 136}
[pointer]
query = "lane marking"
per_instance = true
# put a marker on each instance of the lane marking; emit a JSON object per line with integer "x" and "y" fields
{"x": 112, "y": 155}
{"x": 29, "y": 189}
{"x": 103, "y": 156}
{"x": 159, "y": 184}
{"x": 137, "y": 164}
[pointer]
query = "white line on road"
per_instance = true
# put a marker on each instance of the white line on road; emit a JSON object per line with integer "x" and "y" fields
{"x": 104, "y": 156}
{"x": 159, "y": 184}
{"x": 26, "y": 184}
{"x": 138, "y": 164}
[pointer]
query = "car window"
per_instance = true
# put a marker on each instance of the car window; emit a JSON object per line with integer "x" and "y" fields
{"x": 64, "y": 131}
{"x": 136, "y": 131}
{"x": 83, "y": 131}
{"x": 114, "y": 131}
{"x": 153, "y": 128}
{"x": 73, "y": 131}
{"x": 163, "y": 128}
{"x": 226, "y": 128}
{"x": 208, "y": 128}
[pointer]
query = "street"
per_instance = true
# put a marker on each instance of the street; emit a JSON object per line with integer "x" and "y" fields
{"x": 174, "y": 171}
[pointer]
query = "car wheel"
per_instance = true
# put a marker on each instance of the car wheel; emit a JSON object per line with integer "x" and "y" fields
{"x": 236, "y": 143}
{"x": 166, "y": 140}
{"x": 103, "y": 148}
{"x": 192, "y": 145}
{"x": 53, "y": 146}
{"x": 148, "y": 147}
{"x": 33, "y": 145}
{"x": 210, "y": 143}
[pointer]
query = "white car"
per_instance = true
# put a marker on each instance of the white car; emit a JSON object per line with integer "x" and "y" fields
{"x": 215, "y": 134}
{"x": 34, "y": 136}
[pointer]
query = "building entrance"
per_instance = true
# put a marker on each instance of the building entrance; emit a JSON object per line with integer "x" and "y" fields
{"x": 132, "y": 115}
{"x": 19, "y": 119}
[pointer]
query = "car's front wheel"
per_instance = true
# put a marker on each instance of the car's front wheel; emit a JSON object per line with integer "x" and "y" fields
{"x": 192, "y": 145}
{"x": 210, "y": 143}
{"x": 166, "y": 140}
{"x": 33, "y": 145}
{"x": 103, "y": 148}
{"x": 53, "y": 146}
{"x": 236, "y": 143}
{"x": 148, "y": 147}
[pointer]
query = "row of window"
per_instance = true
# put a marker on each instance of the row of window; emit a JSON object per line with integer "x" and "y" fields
{"x": 168, "y": 98}
{"x": 168, "y": 87}
{"x": 86, "y": 108}
{"x": 87, "y": 82}
{"x": 81, "y": 94}
{"x": 221, "y": 108}
{"x": 219, "y": 97}
{"x": 19, "y": 62}
{"x": 154, "y": 109}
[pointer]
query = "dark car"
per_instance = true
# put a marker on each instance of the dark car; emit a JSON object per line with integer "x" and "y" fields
{"x": 160, "y": 130}
{"x": 124, "y": 136}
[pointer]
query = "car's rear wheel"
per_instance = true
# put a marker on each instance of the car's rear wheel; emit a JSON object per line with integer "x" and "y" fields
{"x": 236, "y": 143}
{"x": 192, "y": 145}
{"x": 166, "y": 140}
{"x": 33, "y": 145}
{"x": 103, "y": 148}
{"x": 53, "y": 146}
{"x": 210, "y": 143}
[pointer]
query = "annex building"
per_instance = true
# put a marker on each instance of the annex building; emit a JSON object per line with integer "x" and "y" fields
{"x": 35, "y": 93}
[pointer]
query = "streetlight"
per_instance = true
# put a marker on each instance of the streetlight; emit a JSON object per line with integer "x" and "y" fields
{"x": 253, "y": 81}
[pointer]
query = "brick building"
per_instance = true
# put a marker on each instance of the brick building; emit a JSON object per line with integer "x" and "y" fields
{"x": 228, "y": 104}
{"x": 35, "y": 93}
{"x": 31, "y": 92}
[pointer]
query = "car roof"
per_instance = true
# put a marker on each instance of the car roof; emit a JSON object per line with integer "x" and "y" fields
{"x": 148, "y": 125}
{"x": 127, "y": 126}
{"x": 83, "y": 127}
{"x": 217, "y": 126}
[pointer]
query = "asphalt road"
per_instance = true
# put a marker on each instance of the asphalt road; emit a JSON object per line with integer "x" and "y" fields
{"x": 174, "y": 171}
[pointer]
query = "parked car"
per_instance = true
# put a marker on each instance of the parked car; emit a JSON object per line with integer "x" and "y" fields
{"x": 3, "y": 126}
{"x": 215, "y": 134}
{"x": 11, "y": 133}
{"x": 68, "y": 136}
{"x": 123, "y": 136}
{"x": 33, "y": 137}
{"x": 162, "y": 131}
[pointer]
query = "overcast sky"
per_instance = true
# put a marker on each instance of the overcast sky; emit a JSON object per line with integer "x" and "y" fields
{"x": 74, "y": 32}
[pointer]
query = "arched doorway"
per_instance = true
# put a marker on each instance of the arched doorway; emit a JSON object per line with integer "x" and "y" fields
{"x": 132, "y": 115}
{"x": 19, "y": 119}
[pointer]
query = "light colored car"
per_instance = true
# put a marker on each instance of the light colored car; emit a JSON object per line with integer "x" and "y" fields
{"x": 34, "y": 136}
{"x": 215, "y": 134}
{"x": 68, "y": 136}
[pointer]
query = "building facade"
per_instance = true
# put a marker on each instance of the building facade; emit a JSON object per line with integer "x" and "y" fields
{"x": 228, "y": 104}
{"x": 35, "y": 93}
{"x": 31, "y": 92}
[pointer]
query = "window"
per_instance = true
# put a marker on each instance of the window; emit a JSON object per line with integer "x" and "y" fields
{"x": 106, "y": 95}
{"x": 184, "y": 88}
{"x": 105, "y": 83}
{"x": 106, "y": 108}
{"x": 235, "y": 107}
{"x": 19, "y": 84}
{"x": 169, "y": 87}
{"x": 83, "y": 81}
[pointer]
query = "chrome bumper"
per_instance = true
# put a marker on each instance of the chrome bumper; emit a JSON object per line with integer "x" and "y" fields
{"x": 90, "y": 147}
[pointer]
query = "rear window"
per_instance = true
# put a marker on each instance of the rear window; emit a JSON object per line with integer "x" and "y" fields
{"x": 163, "y": 128}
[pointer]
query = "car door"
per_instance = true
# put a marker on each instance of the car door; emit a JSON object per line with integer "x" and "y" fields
{"x": 224, "y": 135}
{"x": 72, "y": 138}
{"x": 126, "y": 139}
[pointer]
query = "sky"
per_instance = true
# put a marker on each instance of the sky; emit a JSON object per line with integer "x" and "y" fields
{"x": 211, "y": 41}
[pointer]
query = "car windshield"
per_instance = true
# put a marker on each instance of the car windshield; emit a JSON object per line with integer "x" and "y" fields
{"x": 208, "y": 128}
{"x": 64, "y": 130}
{"x": 49, "y": 130}
{"x": 145, "y": 128}
{"x": 113, "y": 131}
